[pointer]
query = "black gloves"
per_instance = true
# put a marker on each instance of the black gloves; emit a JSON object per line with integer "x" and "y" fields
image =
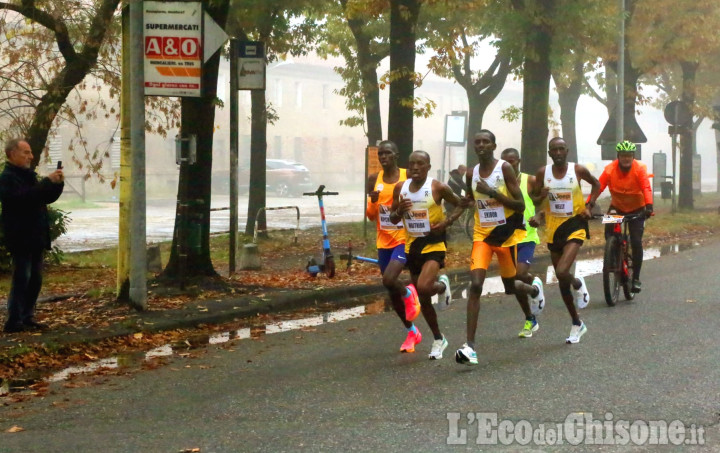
{"x": 648, "y": 210}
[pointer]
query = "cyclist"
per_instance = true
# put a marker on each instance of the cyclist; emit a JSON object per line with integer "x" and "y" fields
{"x": 630, "y": 193}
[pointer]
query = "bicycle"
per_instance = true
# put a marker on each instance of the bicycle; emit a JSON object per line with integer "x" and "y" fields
{"x": 617, "y": 261}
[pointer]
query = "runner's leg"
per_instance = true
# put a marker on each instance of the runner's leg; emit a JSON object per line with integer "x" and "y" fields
{"x": 391, "y": 281}
{"x": 562, "y": 262}
{"x": 427, "y": 286}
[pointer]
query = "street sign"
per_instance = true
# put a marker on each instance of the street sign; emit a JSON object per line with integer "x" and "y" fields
{"x": 251, "y": 65}
{"x": 678, "y": 113}
{"x": 179, "y": 38}
{"x": 213, "y": 37}
{"x": 173, "y": 48}
{"x": 456, "y": 129}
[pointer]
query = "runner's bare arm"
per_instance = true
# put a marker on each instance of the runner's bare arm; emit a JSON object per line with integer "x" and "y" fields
{"x": 399, "y": 207}
{"x": 442, "y": 191}
{"x": 515, "y": 201}
{"x": 584, "y": 174}
{"x": 372, "y": 209}
{"x": 539, "y": 191}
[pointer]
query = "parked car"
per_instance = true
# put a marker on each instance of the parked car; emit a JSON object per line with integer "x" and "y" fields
{"x": 283, "y": 178}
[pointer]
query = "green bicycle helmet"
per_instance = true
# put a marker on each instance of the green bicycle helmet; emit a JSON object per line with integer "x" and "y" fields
{"x": 625, "y": 147}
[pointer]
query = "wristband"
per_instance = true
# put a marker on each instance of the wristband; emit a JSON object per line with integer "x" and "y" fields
{"x": 493, "y": 194}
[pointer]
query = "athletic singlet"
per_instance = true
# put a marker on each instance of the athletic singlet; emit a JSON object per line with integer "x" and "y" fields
{"x": 564, "y": 200}
{"x": 532, "y": 234}
{"x": 495, "y": 223}
{"x": 389, "y": 235}
{"x": 424, "y": 212}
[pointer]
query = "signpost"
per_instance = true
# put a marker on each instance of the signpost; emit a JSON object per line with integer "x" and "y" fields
{"x": 251, "y": 65}
{"x": 455, "y": 135}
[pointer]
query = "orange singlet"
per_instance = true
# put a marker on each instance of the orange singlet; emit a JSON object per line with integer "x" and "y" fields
{"x": 389, "y": 235}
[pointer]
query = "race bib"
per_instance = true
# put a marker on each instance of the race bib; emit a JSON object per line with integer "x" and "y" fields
{"x": 417, "y": 222}
{"x": 385, "y": 223}
{"x": 561, "y": 204}
{"x": 491, "y": 213}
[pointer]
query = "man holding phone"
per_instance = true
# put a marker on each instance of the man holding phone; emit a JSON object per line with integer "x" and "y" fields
{"x": 26, "y": 229}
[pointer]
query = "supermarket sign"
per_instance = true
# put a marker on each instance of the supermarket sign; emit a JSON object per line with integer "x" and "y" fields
{"x": 178, "y": 38}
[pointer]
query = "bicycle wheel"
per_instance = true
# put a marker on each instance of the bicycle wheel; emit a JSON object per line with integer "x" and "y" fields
{"x": 627, "y": 277}
{"x": 612, "y": 272}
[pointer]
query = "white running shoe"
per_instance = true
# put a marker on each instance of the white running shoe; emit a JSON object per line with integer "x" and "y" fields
{"x": 537, "y": 303}
{"x": 446, "y": 299}
{"x": 582, "y": 296}
{"x": 466, "y": 355}
{"x": 438, "y": 346}
{"x": 575, "y": 333}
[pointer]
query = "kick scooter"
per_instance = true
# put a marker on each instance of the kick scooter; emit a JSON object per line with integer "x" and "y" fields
{"x": 349, "y": 257}
{"x": 327, "y": 265}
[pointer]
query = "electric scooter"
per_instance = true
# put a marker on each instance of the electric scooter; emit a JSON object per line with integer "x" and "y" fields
{"x": 327, "y": 264}
{"x": 349, "y": 257}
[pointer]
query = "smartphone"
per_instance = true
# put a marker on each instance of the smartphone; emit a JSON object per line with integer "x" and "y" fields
{"x": 59, "y": 165}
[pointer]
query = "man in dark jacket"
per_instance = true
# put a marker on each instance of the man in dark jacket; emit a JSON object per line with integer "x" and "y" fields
{"x": 26, "y": 228}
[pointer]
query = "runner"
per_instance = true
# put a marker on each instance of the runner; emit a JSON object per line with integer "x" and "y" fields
{"x": 526, "y": 248}
{"x": 566, "y": 219}
{"x": 630, "y": 193}
{"x": 499, "y": 226}
{"x": 418, "y": 202}
{"x": 391, "y": 241}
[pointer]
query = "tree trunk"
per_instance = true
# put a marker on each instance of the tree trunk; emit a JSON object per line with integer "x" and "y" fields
{"x": 685, "y": 192}
{"x": 403, "y": 20}
{"x": 480, "y": 94}
{"x": 536, "y": 93}
{"x": 258, "y": 154}
{"x": 568, "y": 97}
{"x": 368, "y": 64}
{"x": 192, "y": 218}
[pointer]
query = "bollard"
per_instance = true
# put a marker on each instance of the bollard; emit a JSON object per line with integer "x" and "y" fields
{"x": 250, "y": 258}
{"x": 154, "y": 261}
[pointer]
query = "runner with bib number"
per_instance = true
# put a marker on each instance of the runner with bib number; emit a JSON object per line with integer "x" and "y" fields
{"x": 418, "y": 203}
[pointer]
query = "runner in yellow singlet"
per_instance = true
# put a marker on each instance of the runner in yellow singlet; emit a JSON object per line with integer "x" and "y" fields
{"x": 418, "y": 203}
{"x": 557, "y": 187}
{"x": 499, "y": 227}
{"x": 391, "y": 240}
{"x": 526, "y": 248}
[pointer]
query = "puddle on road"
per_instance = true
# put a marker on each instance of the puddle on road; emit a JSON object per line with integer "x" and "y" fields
{"x": 492, "y": 285}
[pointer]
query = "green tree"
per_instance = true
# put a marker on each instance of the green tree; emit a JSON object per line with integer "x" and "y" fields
{"x": 361, "y": 37}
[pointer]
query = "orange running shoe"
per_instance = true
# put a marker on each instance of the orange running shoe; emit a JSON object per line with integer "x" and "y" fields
{"x": 412, "y": 339}
{"x": 412, "y": 304}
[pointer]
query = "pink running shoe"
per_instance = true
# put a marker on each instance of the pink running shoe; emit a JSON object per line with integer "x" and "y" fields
{"x": 412, "y": 304}
{"x": 411, "y": 340}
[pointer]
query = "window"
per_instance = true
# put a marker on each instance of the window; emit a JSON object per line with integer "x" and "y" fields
{"x": 298, "y": 95}
{"x": 278, "y": 93}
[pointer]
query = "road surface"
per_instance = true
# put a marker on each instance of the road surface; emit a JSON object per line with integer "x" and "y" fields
{"x": 345, "y": 387}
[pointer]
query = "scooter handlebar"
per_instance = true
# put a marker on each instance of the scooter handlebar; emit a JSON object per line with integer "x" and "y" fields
{"x": 320, "y": 192}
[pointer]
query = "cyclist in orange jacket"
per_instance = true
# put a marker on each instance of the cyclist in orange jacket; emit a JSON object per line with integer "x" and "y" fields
{"x": 630, "y": 193}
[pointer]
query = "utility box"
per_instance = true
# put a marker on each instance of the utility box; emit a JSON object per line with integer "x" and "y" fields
{"x": 666, "y": 190}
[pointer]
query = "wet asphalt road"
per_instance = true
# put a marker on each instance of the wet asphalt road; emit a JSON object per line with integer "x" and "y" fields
{"x": 344, "y": 386}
